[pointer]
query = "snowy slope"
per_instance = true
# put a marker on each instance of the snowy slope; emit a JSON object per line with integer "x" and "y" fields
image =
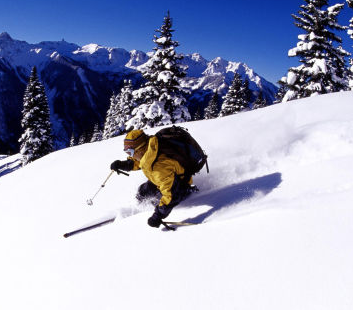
{"x": 275, "y": 212}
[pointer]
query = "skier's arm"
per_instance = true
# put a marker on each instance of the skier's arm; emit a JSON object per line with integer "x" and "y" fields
{"x": 136, "y": 163}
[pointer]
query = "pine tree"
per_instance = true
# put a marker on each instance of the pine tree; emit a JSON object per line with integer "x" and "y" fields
{"x": 97, "y": 134}
{"x": 280, "y": 94}
{"x": 161, "y": 101}
{"x": 260, "y": 102}
{"x": 246, "y": 93}
{"x": 198, "y": 114}
{"x": 212, "y": 109}
{"x": 84, "y": 138}
{"x": 109, "y": 130}
{"x": 120, "y": 111}
{"x": 36, "y": 141}
{"x": 234, "y": 101}
{"x": 72, "y": 140}
{"x": 126, "y": 104}
{"x": 323, "y": 64}
{"x": 350, "y": 33}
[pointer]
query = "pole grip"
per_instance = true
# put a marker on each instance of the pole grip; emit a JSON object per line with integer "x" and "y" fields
{"x": 121, "y": 172}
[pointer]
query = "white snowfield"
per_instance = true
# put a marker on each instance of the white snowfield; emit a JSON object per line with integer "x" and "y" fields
{"x": 275, "y": 215}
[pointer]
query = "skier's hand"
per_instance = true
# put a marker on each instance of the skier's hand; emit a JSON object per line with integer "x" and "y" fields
{"x": 126, "y": 165}
{"x": 160, "y": 212}
{"x": 155, "y": 220}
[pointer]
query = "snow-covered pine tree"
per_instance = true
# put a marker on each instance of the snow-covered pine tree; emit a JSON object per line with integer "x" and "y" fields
{"x": 161, "y": 101}
{"x": 280, "y": 94}
{"x": 97, "y": 134}
{"x": 84, "y": 138}
{"x": 72, "y": 140}
{"x": 36, "y": 141}
{"x": 234, "y": 101}
{"x": 109, "y": 130}
{"x": 260, "y": 102}
{"x": 126, "y": 104}
{"x": 350, "y": 33}
{"x": 246, "y": 93}
{"x": 120, "y": 111}
{"x": 212, "y": 109}
{"x": 323, "y": 67}
{"x": 198, "y": 114}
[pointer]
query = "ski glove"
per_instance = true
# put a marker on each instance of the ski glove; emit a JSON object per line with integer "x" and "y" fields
{"x": 126, "y": 165}
{"x": 159, "y": 213}
{"x": 155, "y": 220}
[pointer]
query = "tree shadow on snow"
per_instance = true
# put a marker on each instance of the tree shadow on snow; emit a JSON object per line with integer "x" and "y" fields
{"x": 233, "y": 194}
{"x": 10, "y": 167}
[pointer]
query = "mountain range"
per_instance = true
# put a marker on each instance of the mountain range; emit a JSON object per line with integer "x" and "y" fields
{"x": 79, "y": 81}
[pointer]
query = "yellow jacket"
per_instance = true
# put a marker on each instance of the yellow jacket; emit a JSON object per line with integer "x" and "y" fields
{"x": 162, "y": 173}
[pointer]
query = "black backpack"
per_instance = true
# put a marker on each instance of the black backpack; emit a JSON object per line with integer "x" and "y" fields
{"x": 175, "y": 142}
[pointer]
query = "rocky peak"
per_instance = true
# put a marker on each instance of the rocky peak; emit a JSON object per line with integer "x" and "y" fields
{"x": 4, "y": 36}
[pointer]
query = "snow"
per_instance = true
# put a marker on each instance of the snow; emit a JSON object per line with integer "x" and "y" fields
{"x": 165, "y": 76}
{"x": 301, "y": 46}
{"x": 291, "y": 77}
{"x": 302, "y": 37}
{"x": 161, "y": 40}
{"x": 9, "y": 164}
{"x": 319, "y": 66}
{"x": 87, "y": 85}
{"x": 275, "y": 218}
{"x": 89, "y": 48}
{"x": 137, "y": 58}
{"x": 332, "y": 9}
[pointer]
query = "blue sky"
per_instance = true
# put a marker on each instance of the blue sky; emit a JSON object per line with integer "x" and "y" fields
{"x": 257, "y": 32}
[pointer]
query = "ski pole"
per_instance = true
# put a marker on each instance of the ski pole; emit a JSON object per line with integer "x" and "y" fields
{"x": 90, "y": 201}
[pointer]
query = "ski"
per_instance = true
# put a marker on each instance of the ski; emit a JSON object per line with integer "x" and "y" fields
{"x": 75, "y": 232}
{"x": 180, "y": 223}
{"x": 168, "y": 227}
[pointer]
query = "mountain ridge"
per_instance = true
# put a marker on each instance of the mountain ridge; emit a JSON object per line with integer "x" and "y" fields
{"x": 79, "y": 81}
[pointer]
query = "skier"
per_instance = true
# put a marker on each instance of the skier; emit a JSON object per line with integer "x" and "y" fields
{"x": 166, "y": 181}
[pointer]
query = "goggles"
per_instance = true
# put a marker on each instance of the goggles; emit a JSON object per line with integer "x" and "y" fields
{"x": 130, "y": 152}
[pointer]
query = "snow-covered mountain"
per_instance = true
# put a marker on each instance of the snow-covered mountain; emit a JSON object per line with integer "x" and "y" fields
{"x": 275, "y": 221}
{"x": 80, "y": 80}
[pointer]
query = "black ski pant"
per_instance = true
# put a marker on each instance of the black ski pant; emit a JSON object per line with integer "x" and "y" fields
{"x": 180, "y": 190}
